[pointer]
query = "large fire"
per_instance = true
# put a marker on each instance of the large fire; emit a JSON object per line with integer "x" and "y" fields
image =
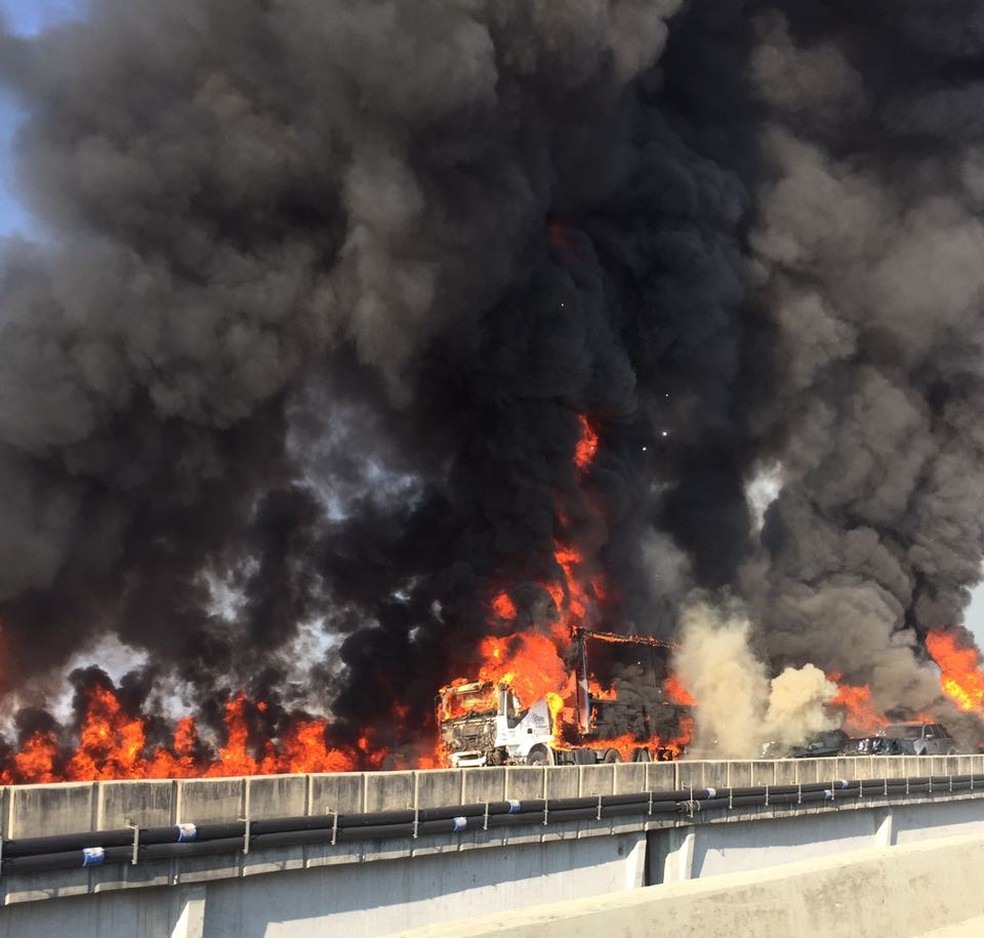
{"x": 113, "y": 745}
{"x": 529, "y": 663}
{"x": 533, "y": 665}
{"x": 860, "y": 716}
{"x": 537, "y": 665}
{"x": 961, "y": 677}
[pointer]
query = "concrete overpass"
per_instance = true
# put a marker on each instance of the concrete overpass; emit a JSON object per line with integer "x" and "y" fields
{"x": 348, "y": 862}
{"x": 899, "y": 891}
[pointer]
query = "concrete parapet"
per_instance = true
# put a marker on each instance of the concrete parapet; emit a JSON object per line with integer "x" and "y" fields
{"x": 788, "y": 773}
{"x": 689, "y": 774}
{"x": 203, "y": 800}
{"x": 901, "y": 891}
{"x": 146, "y": 804}
{"x": 561, "y": 784}
{"x": 764, "y": 772}
{"x": 596, "y": 780}
{"x": 630, "y": 777}
{"x": 275, "y": 796}
{"x": 863, "y": 768}
{"x": 486, "y": 785}
{"x": 40, "y": 810}
{"x": 342, "y": 792}
{"x": 715, "y": 775}
{"x": 661, "y": 776}
{"x": 437, "y": 788}
{"x": 43, "y": 810}
{"x": 739, "y": 774}
{"x": 390, "y": 791}
{"x": 527, "y": 782}
{"x": 817, "y": 770}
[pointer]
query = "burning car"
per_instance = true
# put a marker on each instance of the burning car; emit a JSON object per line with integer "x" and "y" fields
{"x": 818, "y": 746}
{"x": 830, "y": 743}
{"x": 877, "y": 746}
{"x": 921, "y": 739}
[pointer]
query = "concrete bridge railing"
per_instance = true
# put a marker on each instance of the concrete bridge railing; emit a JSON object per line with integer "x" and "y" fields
{"x": 43, "y": 810}
{"x": 243, "y": 891}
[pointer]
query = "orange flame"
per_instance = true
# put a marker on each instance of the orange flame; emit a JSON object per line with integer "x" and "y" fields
{"x": 961, "y": 677}
{"x": 112, "y": 744}
{"x": 504, "y": 607}
{"x": 530, "y": 664}
{"x": 860, "y": 716}
{"x": 35, "y": 763}
{"x": 575, "y": 601}
{"x": 533, "y": 665}
{"x": 677, "y": 693}
{"x": 601, "y": 693}
{"x": 587, "y": 445}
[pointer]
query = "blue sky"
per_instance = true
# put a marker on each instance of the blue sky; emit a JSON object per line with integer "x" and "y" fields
{"x": 26, "y": 17}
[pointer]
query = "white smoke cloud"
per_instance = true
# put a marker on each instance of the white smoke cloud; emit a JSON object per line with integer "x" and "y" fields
{"x": 738, "y": 708}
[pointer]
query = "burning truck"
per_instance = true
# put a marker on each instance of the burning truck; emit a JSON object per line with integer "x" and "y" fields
{"x": 643, "y": 715}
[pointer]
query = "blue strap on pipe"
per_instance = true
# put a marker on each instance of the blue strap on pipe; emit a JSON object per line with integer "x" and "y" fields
{"x": 93, "y": 856}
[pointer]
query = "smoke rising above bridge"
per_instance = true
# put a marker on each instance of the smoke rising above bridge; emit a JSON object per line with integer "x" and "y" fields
{"x": 328, "y": 290}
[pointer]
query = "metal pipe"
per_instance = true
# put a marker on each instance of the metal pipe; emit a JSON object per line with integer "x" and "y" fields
{"x": 90, "y": 848}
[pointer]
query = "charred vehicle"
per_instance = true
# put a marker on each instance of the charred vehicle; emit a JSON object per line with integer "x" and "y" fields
{"x": 920, "y": 739}
{"x": 905, "y": 739}
{"x": 821, "y": 745}
{"x": 485, "y": 723}
{"x": 878, "y": 746}
{"x": 830, "y": 743}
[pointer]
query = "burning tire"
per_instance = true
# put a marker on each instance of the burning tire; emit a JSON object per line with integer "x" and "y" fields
{"x": 540, "y": 755}
{"x": 642, "y": 755}
{"x": 611, "y": 756}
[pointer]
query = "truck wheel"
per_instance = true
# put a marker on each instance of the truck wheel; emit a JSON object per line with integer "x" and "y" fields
{"x": 540, "y": 755}
{"x": 641, "y": 755}
{"x": 610, "y": 756}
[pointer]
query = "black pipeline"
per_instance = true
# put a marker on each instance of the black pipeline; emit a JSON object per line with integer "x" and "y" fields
{"x": 135, "y": 845}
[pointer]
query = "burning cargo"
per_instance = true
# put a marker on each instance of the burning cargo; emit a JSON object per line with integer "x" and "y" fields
{"x": 639, "y": 716}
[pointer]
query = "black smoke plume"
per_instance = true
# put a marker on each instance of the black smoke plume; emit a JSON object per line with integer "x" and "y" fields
{"x": 324, "y": 286}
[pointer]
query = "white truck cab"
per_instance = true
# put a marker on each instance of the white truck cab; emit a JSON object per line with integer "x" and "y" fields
{"x": 475, "y": 734}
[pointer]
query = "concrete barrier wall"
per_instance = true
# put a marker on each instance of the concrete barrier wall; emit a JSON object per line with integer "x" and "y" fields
{"x": 904, "y": 891}
{"x": 39, "y": 810}
{"x": 325, "y": 890}
{"x": 350, "y": 900}
{"x": 730, "y": 844}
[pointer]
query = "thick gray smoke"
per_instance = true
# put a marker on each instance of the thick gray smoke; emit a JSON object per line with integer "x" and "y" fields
{"x": 868, "y": 237}
{"x": 325, "y": 284}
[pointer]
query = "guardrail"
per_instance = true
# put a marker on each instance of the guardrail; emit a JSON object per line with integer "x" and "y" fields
{"x": 137, "y": 845}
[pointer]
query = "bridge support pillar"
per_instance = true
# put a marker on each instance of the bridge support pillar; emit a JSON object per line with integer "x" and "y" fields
{"x": 884, "y": 828}
{"x": 671, "y": 855}
{"x": 190, "y": 919}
